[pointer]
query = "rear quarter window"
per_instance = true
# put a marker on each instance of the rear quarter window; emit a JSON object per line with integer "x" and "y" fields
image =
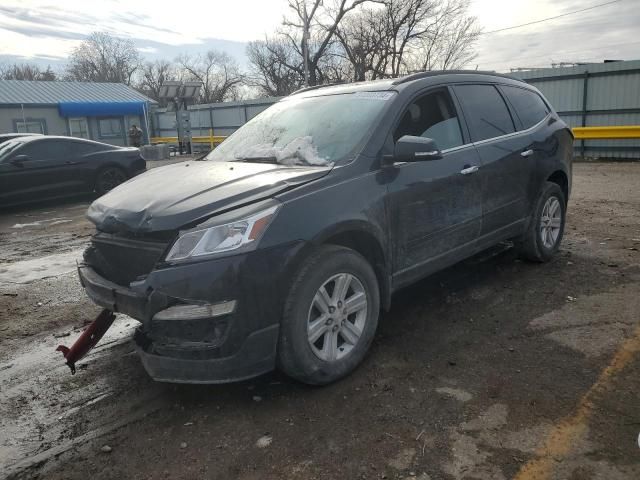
{"x": 485, "y": 111}
{"x": 80, "y": 148}
{"x": 528, "y": 105}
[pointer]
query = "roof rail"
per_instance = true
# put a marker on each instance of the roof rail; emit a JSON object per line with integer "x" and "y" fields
{"x": 316, "y": 87}
{"x": 434, "y": 73}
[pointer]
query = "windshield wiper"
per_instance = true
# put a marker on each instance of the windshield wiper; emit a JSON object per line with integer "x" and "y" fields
{"x": 259, "y": 159}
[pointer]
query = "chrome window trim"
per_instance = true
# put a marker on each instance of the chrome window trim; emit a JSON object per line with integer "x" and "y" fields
{"x": 455, "y": 149}
{"x": 513, "y": 134}
{"x": 501, "y": 137}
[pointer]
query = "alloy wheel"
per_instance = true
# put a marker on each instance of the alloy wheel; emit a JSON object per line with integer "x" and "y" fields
{"x": 550, "y": 222}
{"x": 337, "y": 317}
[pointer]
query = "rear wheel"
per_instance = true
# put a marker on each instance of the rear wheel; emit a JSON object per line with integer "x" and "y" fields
{"x": 330, "y": 316}
{"x": 109, "y": 178}
{"x": 546, "y": 226}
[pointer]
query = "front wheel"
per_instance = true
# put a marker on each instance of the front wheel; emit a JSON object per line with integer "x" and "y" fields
{"x": 109, "y": 178}
{"x": 546, "y": 226}
{"x": 330, "y": 316}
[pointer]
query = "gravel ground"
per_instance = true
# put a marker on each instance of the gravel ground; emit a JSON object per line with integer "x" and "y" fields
{"x": 492, "y": 369}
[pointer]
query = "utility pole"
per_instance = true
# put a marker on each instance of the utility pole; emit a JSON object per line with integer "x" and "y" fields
{"x": 305, "y": 45}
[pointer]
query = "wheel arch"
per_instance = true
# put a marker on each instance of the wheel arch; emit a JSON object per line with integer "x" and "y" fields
{"x": 560, "y": 178}
{"x": 109, "y": 164}
{"x": 363, "y": 238}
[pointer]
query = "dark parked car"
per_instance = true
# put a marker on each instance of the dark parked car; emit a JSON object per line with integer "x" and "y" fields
{"x": 5, "y": 137}
{"x": 281, "y": 247}
{"x": 39, "y": 167}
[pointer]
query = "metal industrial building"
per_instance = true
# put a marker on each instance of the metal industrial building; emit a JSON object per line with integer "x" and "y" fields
{"x": 98, "y": 111}
{"x": 595, "y": 94}
{"x": 224, "y": 118}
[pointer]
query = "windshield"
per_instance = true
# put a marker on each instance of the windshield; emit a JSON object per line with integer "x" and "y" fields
{"x": 7, "y": 147}
{"x": 305, "y": 131}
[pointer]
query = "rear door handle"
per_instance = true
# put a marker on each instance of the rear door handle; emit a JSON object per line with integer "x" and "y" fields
{"x": 469, "y": 170}
{"x": 527, "y": 153}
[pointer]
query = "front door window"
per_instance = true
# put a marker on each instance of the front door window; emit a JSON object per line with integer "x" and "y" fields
{"x": 432, "y": 116}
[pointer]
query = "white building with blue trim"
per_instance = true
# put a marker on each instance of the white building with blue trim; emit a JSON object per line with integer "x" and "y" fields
{"x": 98, "y": 111}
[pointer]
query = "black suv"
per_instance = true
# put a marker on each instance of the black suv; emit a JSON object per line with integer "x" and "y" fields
{"x": 281, "y": 247}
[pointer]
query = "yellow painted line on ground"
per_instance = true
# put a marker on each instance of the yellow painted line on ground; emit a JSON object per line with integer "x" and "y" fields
{"x": 565, "y": 434}
{"x": 216, "y": 139}
{"x": 604, "y": 133}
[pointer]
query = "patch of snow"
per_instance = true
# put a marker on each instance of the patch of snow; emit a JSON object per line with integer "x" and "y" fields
{"x": 457, "y": 393}
{"x": 23, "y": 225}
{"x": 38, "y": 268}
{"x": 299, "y": 151}
{"x": 46, "y": 222}
{"x": 264, "y": 441}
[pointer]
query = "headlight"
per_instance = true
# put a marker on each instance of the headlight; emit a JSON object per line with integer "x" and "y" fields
{"x": 205, "y": 240}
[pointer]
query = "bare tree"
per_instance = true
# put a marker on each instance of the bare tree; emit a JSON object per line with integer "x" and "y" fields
{"x": 218, "y": 73}
{"x": 323, "y": 18}
{"x": 103, "y": 58}
{"x": 451, "y": 47}
{"x": 26, "y": 71}
{"x": 153, "y": 75}
{"x": 277, "y": 63}
{"x": 401, "y": 36}
{"x": 275, "y": 67}
{"x": 363, "y": 39}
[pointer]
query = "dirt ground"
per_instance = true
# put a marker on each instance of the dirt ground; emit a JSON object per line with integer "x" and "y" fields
{"x": 493, "y": 369}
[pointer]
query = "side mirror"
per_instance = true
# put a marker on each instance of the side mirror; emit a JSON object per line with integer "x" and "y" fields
{"x": 415, "y": 149}
{"x": 18, "y": 160}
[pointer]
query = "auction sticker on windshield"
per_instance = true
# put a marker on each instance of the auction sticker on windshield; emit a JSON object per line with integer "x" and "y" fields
{"x": 375, "y": 95}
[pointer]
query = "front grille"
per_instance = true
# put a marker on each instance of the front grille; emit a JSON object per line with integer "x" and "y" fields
{"x": 122, "y": 259}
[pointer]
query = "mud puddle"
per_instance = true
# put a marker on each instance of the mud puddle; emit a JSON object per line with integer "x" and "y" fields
{"x": 45, "y": 408}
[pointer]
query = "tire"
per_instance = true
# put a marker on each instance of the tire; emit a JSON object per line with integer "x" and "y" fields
{"x": 317, "y": 362}
{"x": 108, "y": 178}
{"x": 544, "y": 233}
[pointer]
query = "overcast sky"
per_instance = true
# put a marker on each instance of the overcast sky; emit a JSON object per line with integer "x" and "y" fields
{"x": 47, "y": 30}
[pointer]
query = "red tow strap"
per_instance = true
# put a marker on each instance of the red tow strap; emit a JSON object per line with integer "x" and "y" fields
{"x": 89, "y": 338}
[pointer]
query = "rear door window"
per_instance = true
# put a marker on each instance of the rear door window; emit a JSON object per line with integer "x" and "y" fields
{"x": 486, "y": 113}
{"x": 77, "y": 149}
{"x": 528, "y": 105}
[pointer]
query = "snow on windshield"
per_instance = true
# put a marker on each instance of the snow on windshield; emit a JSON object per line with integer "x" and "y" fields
{"x": 299, "y": 151}
{"x": 317, "y": 131}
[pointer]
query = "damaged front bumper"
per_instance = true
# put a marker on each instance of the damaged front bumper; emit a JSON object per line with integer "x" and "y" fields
{"x": 213, "y": 321}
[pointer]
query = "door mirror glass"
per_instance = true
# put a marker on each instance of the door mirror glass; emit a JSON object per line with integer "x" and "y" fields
{"x": 415, "y": 149}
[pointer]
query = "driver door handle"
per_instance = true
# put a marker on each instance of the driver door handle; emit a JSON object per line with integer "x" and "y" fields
{"x": 527, "y": 153}
{"x": 468, "y": 170}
